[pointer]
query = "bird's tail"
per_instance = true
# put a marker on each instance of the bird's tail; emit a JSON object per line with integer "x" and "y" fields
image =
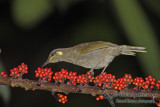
{"x": 130, "y": 50}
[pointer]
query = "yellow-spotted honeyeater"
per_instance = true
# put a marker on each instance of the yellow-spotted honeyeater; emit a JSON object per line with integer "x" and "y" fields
{"x": 93, "y": 55}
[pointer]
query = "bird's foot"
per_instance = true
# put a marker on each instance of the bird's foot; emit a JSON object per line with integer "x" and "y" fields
{"x": 91, "y": 71}
{"x": 80, "y": 87}
{"x": 108, "y": 97}
{"x": 102, "y": 73}
{"x": 39, "y": 83}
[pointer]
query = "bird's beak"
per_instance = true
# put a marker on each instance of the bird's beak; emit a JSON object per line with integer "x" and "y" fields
{"x": 47, "y": 62}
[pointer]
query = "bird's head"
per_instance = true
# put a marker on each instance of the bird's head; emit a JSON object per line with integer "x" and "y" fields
{"x": 55, "y": 56}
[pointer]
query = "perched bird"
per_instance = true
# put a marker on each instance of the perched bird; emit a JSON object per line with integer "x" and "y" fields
{"x": 93, "y": 55}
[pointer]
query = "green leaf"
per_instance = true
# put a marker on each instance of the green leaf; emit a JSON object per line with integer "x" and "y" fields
{"x": 29, "y": 13}
{"x": 140, "y": 32}
{"x": 5, "y": 93}
{"x": 4, "y": 90}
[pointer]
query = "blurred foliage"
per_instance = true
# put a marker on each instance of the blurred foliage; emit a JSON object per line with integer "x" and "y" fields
{"x": 4, "y": 90}
{"x": 64, "y": 5}
{"x": 153, "y": 6}
{"x": 28, "y": 13}
{"x": 93, "y": 28}
{"x": 30, "y": 29}
{"x": 140, "y": 33}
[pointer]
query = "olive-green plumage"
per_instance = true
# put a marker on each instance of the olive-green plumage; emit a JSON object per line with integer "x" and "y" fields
{"x": 94, "y": 55}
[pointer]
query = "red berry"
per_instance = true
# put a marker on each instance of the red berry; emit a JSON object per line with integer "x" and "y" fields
{"x": 101, "y": 97}
{"x": 97, "y": 98}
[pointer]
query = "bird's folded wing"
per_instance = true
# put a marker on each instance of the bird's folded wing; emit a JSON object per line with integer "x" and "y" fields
{"x": 87, "y": 47}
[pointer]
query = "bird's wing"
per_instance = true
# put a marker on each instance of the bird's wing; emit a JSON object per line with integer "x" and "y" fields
{"x": 87, "y": 47}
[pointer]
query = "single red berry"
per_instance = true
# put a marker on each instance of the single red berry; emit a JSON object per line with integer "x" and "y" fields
{"x": 101, "y": 97}
{"x": 97, "y": 98}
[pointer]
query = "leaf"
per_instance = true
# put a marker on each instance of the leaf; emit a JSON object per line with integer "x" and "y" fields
{"x": 5, "y": 93}
{"x": 140, "y": 33}
{"x": 29, "y": 13}
{"x": 4, "y": 90}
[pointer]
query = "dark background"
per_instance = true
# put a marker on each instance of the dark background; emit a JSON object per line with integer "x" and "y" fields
{"x": 31, "y": 29}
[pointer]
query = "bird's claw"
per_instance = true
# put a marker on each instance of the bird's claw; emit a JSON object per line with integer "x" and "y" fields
{"x": 109, "y": 98}
{"x": 91, "y": 71}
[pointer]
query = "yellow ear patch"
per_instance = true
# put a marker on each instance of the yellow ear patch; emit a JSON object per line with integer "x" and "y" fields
{"x": 51, "y": 58}
{"x": 59, "y": 53}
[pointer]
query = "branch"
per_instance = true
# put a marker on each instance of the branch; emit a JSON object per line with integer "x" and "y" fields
{"x": 106, "y": 86}
{"x": 47, "y": 86}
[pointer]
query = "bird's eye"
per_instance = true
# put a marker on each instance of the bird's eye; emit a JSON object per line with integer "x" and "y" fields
{"x": 52, "y": 54}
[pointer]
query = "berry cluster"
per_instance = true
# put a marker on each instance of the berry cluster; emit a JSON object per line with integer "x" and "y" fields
{"x": 85, "y": 79}
{"x": 81, "y": 79}
{"x": 119, "y": 84}
{"x": 44, "y": 74}
{"x": 100, "y": 97}
{"x": 62, "y": 98}
{"x": 138, "y": 82}
{"x": 3, "y": 74}
{"x": 89, "y": 77}
{"x": 127, "y": 79}
{"x": 19, "y": 71}
{"x": 72, "y": 76}
{"x": 158, "y": 84}
{"x": 105, "y": 79}
{"x": 23, "y": 68}
{"x": 60, "y": 76}
{"x": 149, "y": 83}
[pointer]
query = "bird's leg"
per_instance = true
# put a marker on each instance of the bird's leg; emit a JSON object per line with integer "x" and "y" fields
{"x": 104, "y": 69}
{"x": 91, "y": 70}
{"x": 103, "y": 56}
{"x": 109, "y": 60}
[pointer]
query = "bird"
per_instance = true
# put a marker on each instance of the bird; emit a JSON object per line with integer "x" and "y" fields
{"x": 92, "y": 55}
